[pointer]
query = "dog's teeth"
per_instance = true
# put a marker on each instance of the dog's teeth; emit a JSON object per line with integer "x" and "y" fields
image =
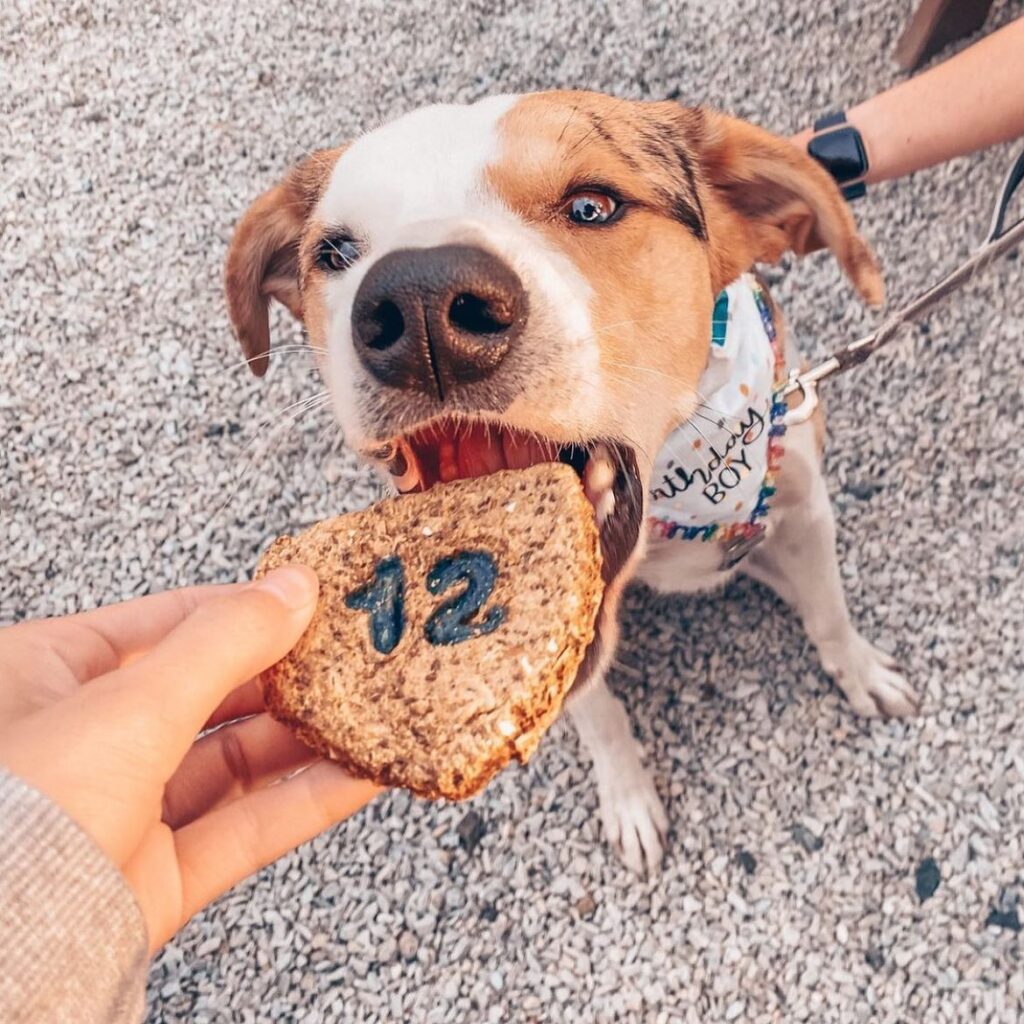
{"x": 600, "y": 475}
{"x": 598, "y": 478}
{"x": 605, "y": 507}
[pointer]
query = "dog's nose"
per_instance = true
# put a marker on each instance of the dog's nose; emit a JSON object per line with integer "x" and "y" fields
{"x": 431, "y": 319}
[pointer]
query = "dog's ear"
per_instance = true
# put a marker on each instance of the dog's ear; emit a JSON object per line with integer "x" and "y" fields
{"x": 767, "y": 197}
{"x": 263, "y": 258}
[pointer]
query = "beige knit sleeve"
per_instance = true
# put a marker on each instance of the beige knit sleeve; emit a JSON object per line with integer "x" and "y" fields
{"x": 72, "y": 939}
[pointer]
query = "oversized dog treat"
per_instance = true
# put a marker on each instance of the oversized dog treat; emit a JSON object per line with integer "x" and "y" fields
{"x": 450, "y": 627}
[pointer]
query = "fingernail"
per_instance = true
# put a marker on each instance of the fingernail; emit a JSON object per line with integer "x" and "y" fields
{"x": 293, "y": 585}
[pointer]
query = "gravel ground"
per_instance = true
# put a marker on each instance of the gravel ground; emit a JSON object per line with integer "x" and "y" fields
{"x": 822, "y": 868}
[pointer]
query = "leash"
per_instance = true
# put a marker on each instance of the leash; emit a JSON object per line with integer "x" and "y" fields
{"x": 997, "y": 242}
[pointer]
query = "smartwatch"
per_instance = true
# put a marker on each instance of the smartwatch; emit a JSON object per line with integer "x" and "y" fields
{"x": 838, "y": 147}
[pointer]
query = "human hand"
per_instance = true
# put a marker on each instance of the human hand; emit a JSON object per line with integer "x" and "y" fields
{"x": 101, "y": 712}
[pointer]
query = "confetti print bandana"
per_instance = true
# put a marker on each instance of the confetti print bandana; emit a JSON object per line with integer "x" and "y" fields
{"x": 714, "y": 475}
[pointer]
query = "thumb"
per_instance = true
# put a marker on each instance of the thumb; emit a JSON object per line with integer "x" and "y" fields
{"x": 221, "y": 645}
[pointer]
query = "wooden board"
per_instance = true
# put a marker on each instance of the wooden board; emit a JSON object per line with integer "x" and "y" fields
{"x": 935, "y": 24}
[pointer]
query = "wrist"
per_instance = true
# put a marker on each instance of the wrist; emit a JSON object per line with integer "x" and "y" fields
{"x": 801, "y": 139}
{"x": 838, "y": 146}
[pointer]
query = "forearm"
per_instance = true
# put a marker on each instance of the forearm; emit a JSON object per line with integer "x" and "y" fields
{"x": 969, "y": 102}
{"x": 72, "y": 940}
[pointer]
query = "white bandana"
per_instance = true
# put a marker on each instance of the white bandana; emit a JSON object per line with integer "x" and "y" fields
{"x": 713, "y": 476}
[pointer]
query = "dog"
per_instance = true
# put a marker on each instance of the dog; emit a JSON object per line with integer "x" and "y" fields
{"x": 556, "y": 276}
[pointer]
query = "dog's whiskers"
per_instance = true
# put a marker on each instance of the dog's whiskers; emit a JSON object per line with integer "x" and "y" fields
{"x": 280, "y": 350}
{"x": 720, "y": 416}
{"x": 703, "y": 403}
{"x": 698, "y": 451}
{"x": 650, "y": 370}
{"x": 282, "y": 419}
{"x": 309, "y": 400}
{"x": 347, "y": 260}
{"x": 637, "y": 386}
{"x": 696, "y": 427}
{"x": 717, "y": 421}
{"x": 623, "y": 323}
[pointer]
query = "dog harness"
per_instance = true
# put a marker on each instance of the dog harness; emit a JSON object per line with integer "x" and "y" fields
{"x": 714, "y": 475}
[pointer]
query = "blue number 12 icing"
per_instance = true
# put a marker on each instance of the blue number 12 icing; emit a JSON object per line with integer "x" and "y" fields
{"x": 383, "y": 598}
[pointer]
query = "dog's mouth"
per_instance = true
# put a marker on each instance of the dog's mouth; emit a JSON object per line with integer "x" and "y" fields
{"x": 447, "y": 449}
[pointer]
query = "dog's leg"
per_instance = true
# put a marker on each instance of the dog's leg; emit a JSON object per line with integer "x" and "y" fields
{"x": 633, "y": 816}
{"x": 798, "y": 561}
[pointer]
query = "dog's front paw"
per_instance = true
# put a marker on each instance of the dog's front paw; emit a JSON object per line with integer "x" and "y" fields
{"x": 634, "y": 819}
{"x": 871, "y": 681}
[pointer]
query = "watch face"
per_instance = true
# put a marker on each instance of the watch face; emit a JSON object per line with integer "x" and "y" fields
{"x": 841, "y": 152}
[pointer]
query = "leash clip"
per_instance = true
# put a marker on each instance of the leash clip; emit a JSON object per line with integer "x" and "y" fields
{"x": 808, "y": 398}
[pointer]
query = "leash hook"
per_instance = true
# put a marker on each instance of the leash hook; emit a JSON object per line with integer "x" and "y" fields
{"x": 808, "y": 398}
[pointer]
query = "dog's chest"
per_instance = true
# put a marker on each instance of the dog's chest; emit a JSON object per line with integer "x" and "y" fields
{"x": 672, "y": 567}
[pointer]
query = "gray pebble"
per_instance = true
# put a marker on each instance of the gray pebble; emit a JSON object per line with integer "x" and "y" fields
{"x": 806, "y": 838}
{"x": 927, "y": 878}
{"x": 471, "y": 830}
{"x": 408, "y": 945}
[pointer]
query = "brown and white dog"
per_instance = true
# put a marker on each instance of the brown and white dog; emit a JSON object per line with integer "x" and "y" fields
{"x": 532, "y": 277}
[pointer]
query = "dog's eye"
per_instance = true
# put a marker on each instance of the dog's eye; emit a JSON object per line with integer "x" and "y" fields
{"x": 590, "y": 208}
{"x": 337, "y": 253}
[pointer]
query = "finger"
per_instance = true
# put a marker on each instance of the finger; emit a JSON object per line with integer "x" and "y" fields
{"x": 95, "y": 642}
{"x": 246, "y": 700}
{"x": 152, "y": 874}
{"x": 221, "y": 645}
{"x": 229, "y": 844}
{"x": 230, "y": 762}
{"x": 134, "y": 627}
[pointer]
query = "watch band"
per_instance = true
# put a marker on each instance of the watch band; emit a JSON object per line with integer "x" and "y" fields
{"x": 839, "y": 148}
